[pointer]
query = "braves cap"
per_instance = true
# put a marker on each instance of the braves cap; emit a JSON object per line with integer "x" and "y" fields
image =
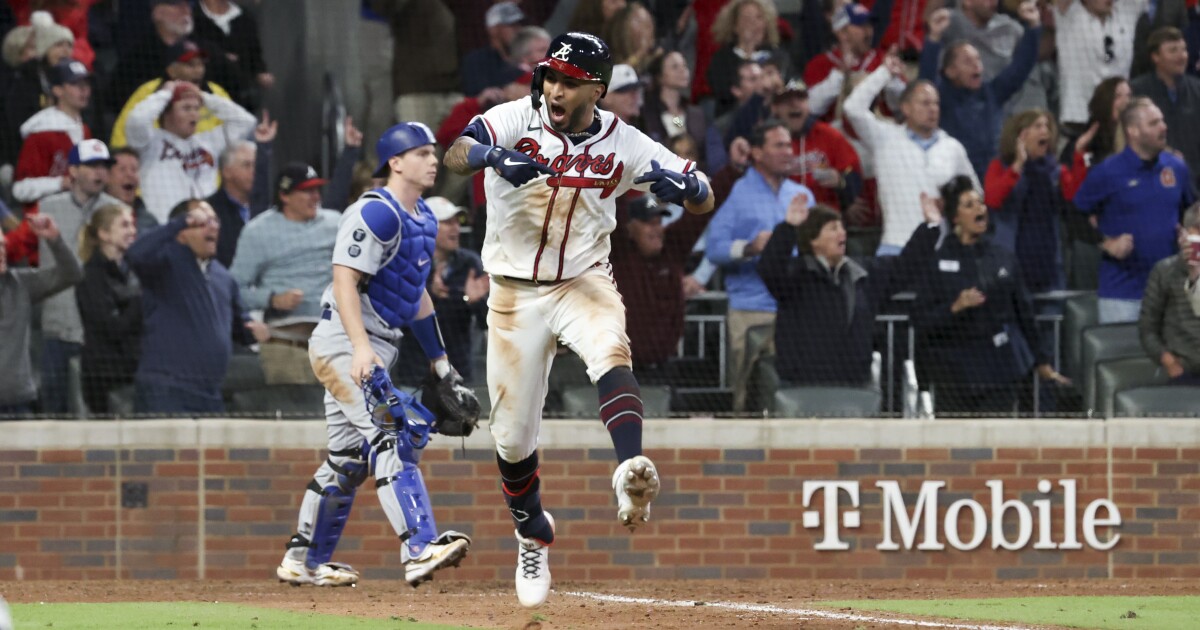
{"x": 68, "y": 71}
{"x": 794, "y": 87}
{"x": 647, "y": 208}
{"x": 853, "y": 14}
{"x": 624, "y": 77}
{"x": 444, "y": 209}
{"x": 184, "y": 51}
{"x": 89, "y": 152}
{"x": 298, "y": 176}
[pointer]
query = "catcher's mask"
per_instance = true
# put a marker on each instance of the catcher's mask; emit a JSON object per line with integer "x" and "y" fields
{"x": 392, "y": 411}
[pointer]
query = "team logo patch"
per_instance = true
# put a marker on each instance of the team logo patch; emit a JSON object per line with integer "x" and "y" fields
{"x": 354, "y": 250}
{"x": 1167, "y": 177}
{"x": 359, "y": 235}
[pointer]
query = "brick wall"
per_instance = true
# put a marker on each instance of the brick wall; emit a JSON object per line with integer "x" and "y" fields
{"x": 222, "y": 507}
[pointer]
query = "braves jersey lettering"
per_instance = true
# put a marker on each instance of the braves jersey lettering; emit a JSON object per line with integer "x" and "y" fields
{"x": 555, "y": 228}
{"x": 192, "y": 160}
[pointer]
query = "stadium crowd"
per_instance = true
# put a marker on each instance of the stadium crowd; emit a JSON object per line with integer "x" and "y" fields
{"x": 970, "y": 154}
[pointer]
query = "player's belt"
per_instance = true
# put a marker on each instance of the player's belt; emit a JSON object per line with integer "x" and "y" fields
{"x": 542, "y": 283}
{"x": 573, "y": 181}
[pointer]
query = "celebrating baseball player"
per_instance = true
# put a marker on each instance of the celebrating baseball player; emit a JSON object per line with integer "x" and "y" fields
{"x": 555, "y": 166}
{"x": 381, "y": 260}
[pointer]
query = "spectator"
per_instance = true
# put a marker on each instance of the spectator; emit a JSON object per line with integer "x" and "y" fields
{"x": 902, "y": 25}
{"x": 738, "y": 233}
{"x": 977, "y": 339}
{"x": 824, "y": 161}
{"x": 1138, "y": 196}
{"x": 1025, "y": 189}
{"x": 482, "y": 66}
{"x": 973, "y": 109}
{"x": 187, "y": 62}
{"x": 373, "y": 105}
{"x": 282, "y": 266}
{"x": 757, "y": 106}
{"x": 193, "y": 314}
{"x": 62, "y": 330}
{"x": 1158, "y": 14}
{"x": 31, "y": 87}
{"x": 993, "y": 34}
{"x": 593, "y": 16}
{"x": 225, "y": 26}
{"x": 50, "y": 133}
{"x": 909, "y": 159}
{"x": 244, "y": 168}
{"x": 1104, "y": 136}
{"x": 143, "y": 60}
{"x": 826, "y": 301}
{"x": 1175, "y": 92}
{"x": 178, "y": 161}
{"x": 18, "y": 50}
{"x": 1094, "y": 39}
{"x": 744, "y": 29}
{"x": 624, "y": 95}
{"x": 826, "y": 74}
{"x": 71, "y": 15}
{"x": 459, "y": 288}
{"x": 649, "y": 262}
{"x": 124, "y": 180}
{"x": 530, "y": 46}
{"x": 20, "y": 290}
{"x": 110, "y": 306}
{"x": 424, "y": 91}
{"x": 631, "y": 36}
{"x": 749, "y": 78}
{"x": 1169, "y": 324}
{"x": 667, "y": 113}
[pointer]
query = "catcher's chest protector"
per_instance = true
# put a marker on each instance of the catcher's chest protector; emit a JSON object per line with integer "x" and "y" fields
{"x": 395, "y": 290}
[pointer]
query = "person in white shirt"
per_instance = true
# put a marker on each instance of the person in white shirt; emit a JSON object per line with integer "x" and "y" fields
{"x": 1094, "y": 39}
{"x": 177, "y": 162}
{"x": 910, "y": 159}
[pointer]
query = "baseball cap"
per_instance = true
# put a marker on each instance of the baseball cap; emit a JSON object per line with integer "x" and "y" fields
{"x": 298, "y": 176}
{"x": 503, "y": 13}
{"x": 624, "y": 77}
{"x": 853, "y": 14}
{"x": 443, "y": 209}
{"x": 646, "y": 208}
{"x": 794, "y": 87}
{"x": 68, "y": 71}
{"x": 184, "y": 51}
{"x": 89, "y": 152}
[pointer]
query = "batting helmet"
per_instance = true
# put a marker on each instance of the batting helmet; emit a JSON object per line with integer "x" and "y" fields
{"x": 398, "y": 139}
{"x": 580, "y": 56}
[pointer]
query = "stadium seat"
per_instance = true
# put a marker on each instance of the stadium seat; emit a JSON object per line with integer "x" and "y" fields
{"x": 1105, "y": 343}
{"x": 758, "y": 395}
{"x": 245, "y": 373}
{"x": 827, "y": 402}
{"x": 1116, "y": 376}
{"x": 581, "y": 401}
{"x": 485, "y": 401}
{"x": 567, "y": 371}
{"x": 292, "y": 400}
{"x": 1079, "y": 313}
{"x": 1142, "y": 402}
{"x": 765, "y": 381}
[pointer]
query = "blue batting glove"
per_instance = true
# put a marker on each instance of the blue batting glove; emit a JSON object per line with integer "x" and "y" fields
{"x": 516, "y": 168}
{"x": 673, "y": 187}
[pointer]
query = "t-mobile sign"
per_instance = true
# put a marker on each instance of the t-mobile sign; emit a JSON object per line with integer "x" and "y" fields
{"x": 906, "y": 521}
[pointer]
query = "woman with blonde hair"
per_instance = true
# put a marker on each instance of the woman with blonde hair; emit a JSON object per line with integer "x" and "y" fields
{"x": 110, "y": 305}
{"x": 744, "y": 29}
{"x": 631, "y": 36}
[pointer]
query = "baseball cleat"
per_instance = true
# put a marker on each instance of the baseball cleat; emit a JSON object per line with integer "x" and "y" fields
{"x": 533, "y": 569}
{"x": 295, "y": 572}
{"x": 447, "y": 551}
{"x": 636, "y": 484}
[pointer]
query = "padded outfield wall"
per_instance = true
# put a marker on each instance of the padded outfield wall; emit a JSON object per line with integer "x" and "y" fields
{"x": 1045, "y": 499}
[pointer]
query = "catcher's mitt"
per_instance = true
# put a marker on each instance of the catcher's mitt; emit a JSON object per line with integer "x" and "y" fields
{"x": 454, "y": 407}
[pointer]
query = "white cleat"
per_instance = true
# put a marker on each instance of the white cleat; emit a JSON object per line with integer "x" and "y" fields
{"x": 295, "y": 572}
{"x": 636, "y": 484}
{"x": 533, "y": 570}
{"x": 448, "y": 550}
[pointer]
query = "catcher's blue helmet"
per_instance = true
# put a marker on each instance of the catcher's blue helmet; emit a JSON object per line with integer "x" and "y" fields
{"x": 399, "y": 138}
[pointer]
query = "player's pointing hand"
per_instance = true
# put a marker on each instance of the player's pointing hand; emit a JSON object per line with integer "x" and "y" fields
{"x": 517, "y": 168}
{"x": 673, "y": 187}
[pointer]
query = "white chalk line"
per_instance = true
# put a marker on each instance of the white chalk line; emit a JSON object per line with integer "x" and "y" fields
{"x": 810, "y": 613}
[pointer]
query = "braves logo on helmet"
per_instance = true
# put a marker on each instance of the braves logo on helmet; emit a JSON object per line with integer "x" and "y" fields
{"x": 581, "y": 56}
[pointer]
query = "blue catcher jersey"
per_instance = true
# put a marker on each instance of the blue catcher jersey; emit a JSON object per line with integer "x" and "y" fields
{"x": 394, "y": 250}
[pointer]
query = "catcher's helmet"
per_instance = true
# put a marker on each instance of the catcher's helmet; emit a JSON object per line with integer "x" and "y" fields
{"x": 581, "y": 56}
{"x": 398, "y": 139}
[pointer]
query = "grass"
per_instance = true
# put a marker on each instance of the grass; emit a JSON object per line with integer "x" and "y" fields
{"x": 1073, "y": 612}
{"x": 187, "y": 615}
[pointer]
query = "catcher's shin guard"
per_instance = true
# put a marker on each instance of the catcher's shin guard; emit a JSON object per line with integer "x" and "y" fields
{"x": 327, "y": 504}
{"x": 406, "y": 503}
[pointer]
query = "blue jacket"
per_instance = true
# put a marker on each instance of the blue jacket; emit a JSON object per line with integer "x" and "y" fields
{"x": 191, "y": 318}
{"x": 752, "y": 207}
{"x": 974, "y": 117}
{"x": 1145, "y": 199}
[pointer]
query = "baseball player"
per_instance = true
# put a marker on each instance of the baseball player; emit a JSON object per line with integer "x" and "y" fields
{"x": 381, "y": 259}
{"x": 555, "y": 166}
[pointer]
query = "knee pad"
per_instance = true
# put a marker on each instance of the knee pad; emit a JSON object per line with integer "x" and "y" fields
{"x": 406, "y": 503}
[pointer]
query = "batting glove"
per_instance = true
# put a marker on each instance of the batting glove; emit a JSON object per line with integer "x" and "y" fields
{"x": 673, "y": 187}
{"x": 516, "y": 168}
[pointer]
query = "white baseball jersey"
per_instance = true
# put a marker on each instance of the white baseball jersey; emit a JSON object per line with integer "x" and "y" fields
{"x": 554, "y": 228}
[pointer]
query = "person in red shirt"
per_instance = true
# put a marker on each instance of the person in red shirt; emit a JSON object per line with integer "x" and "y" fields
{"x": 825, "y": 74}
{"x": 824, "y": 160}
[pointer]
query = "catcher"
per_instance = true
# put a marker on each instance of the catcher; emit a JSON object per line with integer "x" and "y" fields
{"x": 381, "y": 260}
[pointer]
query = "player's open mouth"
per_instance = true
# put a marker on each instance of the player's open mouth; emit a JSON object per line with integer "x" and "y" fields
{"x": 558, "y": 113}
